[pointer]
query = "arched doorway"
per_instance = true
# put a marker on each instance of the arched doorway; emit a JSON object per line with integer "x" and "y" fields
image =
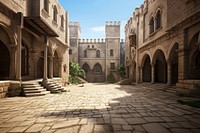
{"x": 24, "y": 60}
{"x": 194, "y": 57}
{"x": 146, "y": 69}
{"x": 98, "y": 73}
{"x": 4, "y": 62}
{"x": 160, "y": 67}
{"x": 56, "y": 64}
{"x": 40, "y": 65}
{"x": 173, "y": 58}
{"x": 86, "y": 68}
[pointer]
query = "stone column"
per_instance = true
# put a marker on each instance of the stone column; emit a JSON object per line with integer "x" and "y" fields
{"x": 169, "y": 76}
{"x": 152, "y": 73}
{"x": 45, "y": 59}
{"x": 51, "y": 66}
{"x": 19, "y": 38}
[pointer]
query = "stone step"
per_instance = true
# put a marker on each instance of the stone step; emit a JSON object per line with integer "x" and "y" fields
{"x": 37, "y": 94}
{"x": 31, "y": 86}
{"x": 34, "y": 91}
{"x": 34, "y": 88}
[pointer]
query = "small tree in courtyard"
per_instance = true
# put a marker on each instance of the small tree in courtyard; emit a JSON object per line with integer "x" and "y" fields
{"x": 75, "y": 71}
{"x": 121, "y": 71}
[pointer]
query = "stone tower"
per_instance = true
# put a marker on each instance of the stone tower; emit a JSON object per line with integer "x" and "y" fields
{"x": 74, "y": 28}
{"x": 112, "y": 47}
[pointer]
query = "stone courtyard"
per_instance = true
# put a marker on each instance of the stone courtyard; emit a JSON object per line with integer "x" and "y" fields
{"x": 99, "y": 108}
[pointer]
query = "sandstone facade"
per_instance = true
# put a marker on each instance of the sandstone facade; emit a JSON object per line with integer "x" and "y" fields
{"x": 34, "y": 40}
{"x": 98, "y": 57}
{"x": 163, "y": 43}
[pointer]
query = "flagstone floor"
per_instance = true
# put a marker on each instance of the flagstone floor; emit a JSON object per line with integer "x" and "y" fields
{"x": 100, "y": 108}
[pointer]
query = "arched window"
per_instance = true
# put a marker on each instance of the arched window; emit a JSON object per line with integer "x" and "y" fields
{"x": 85, "y": 53}
{"x": 55, "y": 13}
{"x": 88, "y": 46}
{"x": 158, "y": 20}
{"x": 97, "y": 69}
{"x": 46, "y": 5}
{"x": 70, "y": 51}
{"x": 92, "y": 46}
{"x": 111, "y": 52}
{"x": 151, "y": 25}
{"x": 98, "y": 53}
{"x": 62, "y": 21}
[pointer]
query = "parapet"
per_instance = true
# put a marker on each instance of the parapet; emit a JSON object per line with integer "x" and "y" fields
{"x": 91, "y": 41}
{"x": 112, "y": 23}
{"x": 75, "y": 23}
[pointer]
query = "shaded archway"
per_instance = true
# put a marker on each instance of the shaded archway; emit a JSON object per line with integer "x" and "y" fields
{"x": 146, "y": 69}
{"x": 160, "y": 67}
{"x": 40, "y": 65}
{"x": 4, "y": 61}
{"x": 56, "y": 63}
{"x": 173, "y": 60}
{"x": 194, "y": 57}
{"x": 24, "y": 60}
{"x": 98, "y": 75}
{"x": 86, "y": 68}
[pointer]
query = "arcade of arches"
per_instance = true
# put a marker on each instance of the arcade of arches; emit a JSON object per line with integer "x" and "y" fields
{"x": 94, "y": 75}
{"x": 160, "y": 70}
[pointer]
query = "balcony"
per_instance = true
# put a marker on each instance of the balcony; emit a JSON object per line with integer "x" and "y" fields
{"x": 37, "y": 21}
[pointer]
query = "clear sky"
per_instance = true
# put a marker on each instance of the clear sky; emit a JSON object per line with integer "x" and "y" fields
{"x": 93, "y": 14}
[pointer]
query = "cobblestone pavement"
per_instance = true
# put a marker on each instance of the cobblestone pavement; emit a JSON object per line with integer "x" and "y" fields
{"x": 99, "y": 108}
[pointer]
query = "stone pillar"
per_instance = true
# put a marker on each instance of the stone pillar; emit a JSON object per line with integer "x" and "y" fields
{"x": 152, "y": 73}
{"x": 45, "y": 59}
{"x": 51, "y": 66}
{"x": 19, "y": 39}
{"x": 169, "y": 76}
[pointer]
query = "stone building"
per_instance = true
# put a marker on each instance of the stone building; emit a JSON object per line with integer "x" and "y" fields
{"x": 33, "y": 41}
{"x": 163, "y": 43}
{"x": 98, "y": 57}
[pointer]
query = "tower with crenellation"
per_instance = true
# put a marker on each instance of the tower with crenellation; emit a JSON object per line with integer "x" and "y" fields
{"x": 74, "y": 30}
{"x": 98, "y": 57}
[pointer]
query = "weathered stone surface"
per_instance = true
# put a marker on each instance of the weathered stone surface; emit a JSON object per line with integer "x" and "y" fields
{"x": 63, "y": 124}
{"x": 35, "y": 128}
{"x": 155, "y": 128}
{"x": 135, "y": 121}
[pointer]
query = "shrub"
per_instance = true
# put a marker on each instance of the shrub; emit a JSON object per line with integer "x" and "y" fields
{"x": 75, "y": 71}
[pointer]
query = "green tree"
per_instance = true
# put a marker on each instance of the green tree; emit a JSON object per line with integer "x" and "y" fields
{"x": 121, "y": 70}
{"x": 75, "y": 71}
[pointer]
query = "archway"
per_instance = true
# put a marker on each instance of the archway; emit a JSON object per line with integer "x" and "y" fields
{"x": 4, "y": 62}
{"x": 40, "y": 65}
{"x": 194, "y": 57}
{"x": 24, "y": 60}
{"x": 56, "y": 63}
{"x": 86, "y": 68}
{"x": 160, "y": 67}
{"x": 98, "y": 75}
{"x": 146, "y": 69}
{"x": 173, "y": 58}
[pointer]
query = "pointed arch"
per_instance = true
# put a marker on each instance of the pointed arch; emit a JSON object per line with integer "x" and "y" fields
{"x": 146, "y": 69}
{"x": 97, "y": 69}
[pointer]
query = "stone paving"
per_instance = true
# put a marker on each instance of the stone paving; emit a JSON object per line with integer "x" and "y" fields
{"x": 99, "y": 108}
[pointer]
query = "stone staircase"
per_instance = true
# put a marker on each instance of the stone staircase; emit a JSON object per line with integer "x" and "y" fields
{"x": 31, "y": 89}
{"x": 54, "y": 87}
{"x": 159, "y": 86}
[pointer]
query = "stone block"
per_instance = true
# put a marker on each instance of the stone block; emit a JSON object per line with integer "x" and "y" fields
{"x": 1, "y": 89}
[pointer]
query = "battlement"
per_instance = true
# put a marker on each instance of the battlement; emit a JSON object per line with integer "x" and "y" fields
{"x": 91, "y": 41}
{"x": 75, "y": 23}
{"x": 112, "y": 23}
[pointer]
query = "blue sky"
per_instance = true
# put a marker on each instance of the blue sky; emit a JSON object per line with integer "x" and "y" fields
{"x": 93, "y": 14}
